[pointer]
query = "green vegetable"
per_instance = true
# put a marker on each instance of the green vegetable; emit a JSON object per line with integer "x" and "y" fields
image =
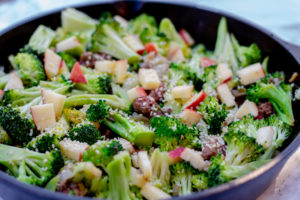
{"x": 97, "y": 112}
{"x": 4, "y": 137}
{"x": 96, "y": 84}
{"x": 41, "y": 39}
{"x": 87, "y": 133}
{"x": 43, "y": 143}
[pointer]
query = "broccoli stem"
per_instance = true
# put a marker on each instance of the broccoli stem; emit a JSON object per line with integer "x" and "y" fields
{"x": 3, "y": 81}
{"x": 221, "y": 37}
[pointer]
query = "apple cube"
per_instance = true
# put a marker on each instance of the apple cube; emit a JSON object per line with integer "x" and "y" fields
{"x": 248, "y": 107}
{"x": 105, "y": 66}
{"x": 136, "y": 177}
{"x": 183, "y": 92}
{"x": 67, "y": 44}
{"x": 77, "y": 75}
{"x": 151, "y": 192}
{"x": 186, "y": 37}
{"x": 265, "y": 136}
{"x": 251, "y": 74}
{"x": 43, "y": 116}
{"x": 14, "y": 82}
{"x": 224, "y": 72}
{"x": 120, "y": 71}
{"x": 149, "y": 79}
{"x": 190, "y": 117}
{"x": 225, "y": 95}
{"x": 1, "y": 94}
{"x": 195, "y": 100}
{"x": 136, "y": 92}
{"x": 58, "y": 101}
{"x": 72, "y": 149}
{"x": 194, "y": 158}
{"x": 63, "y": 69}
{"x": 52, "y": 63}
{"x": 206, "y": 62}
{"x": 123, "y": 22}
{"x": 145, "y": 164}
{"x": 175, "y": 53}
{"x": 133, "y": 42}
{"x": 175, "y": 154}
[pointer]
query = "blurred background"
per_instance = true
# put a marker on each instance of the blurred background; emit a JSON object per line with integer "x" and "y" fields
{"x": 281, "y": 17}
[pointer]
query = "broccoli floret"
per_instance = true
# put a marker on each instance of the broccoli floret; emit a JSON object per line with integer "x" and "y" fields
{"x": 20, "y": 97}
{"x": 246, "y": 55}
{"x": 143, "y": 23}
{"x": 278, "y": 97}
{"x": 119, "y": 174}
{"x": 220, "y": 172}
{"x": 96, "y": 84}
{"x": 69, "y": 59}
{"x": 166, "y": 27}
{"x": 181, "y": 177}
{"x": 200, "y": 181}
{"x": 45, "y": 142}
{"x": 29, "y": 166}
{"x": 74, "y": 117}
{"x": 29, "y": 68}
{"x": 108, "y": 39}
{"x": 102, "y": 153}
{"x": 86, "y": 133}
{"x": 171, "y": 133}
{"x": 213, "y": 113}
{"x": 97, "y": 112}
{"x": 210, "y": 77}
{"x": 160, "y": 162}
{"x": 241, "y": 149}
{"x": 4, "y": 137}
{"x": 41, "y": 39}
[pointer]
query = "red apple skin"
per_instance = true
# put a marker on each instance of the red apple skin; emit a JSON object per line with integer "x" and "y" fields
{"x": 206, "y": 62}
{"x": 182, "y": 34}
{"x": 192, "y": 105}
{"x": 1, "y": 94}
{"x": 77, "y": 75}
{"x": 141, "y": 91}
{"x": 175, "y": 154}
{"x": 149, "y": 47}
{"x": 226, "y": 80}
{"x": 81, "y": 155}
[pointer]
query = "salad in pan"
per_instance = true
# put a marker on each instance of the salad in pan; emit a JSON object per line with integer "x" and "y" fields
{"x": 134, "y": 109}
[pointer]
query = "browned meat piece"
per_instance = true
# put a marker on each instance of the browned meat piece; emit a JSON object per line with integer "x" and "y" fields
{"x": 77, "y": 188}
{"x": 212, "y": 148}
{"x": 240, "y": 96}
{"x": 265, "y": 110}
{"x": 158, "y": 93}
{"x": 88, "y": 59}
{"x": 157, "y": 62}
{"x": 147, "y": 106}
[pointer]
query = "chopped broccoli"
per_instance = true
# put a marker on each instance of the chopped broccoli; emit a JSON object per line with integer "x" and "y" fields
{"x": 166, "y": 27}
{"x": 29, "y": 166}
{"x": 45, "y": 142}
{"x": 210, "y": 77}
{"x": 171, "y": 133}
{"x": 213, "y": 113}
{"x": 108, "y": 39}
{"x": 41, "y": 39}
{"x": 102, "y": 153}
{"x": 278, "y": 97}
{"x": 141, "y": 24}
{"x": 97, "y": 112}
{"x": 96, "y": 84}
{"x": 86, "y": 133}
{"x": 4, "y": 137}
{"x": 3, "y": 80}
{"x": 200, "y": 181}
{"x": 68, "y": 58}
{"x": 74, "y": 117}
{"x": 221, "y": 37}
{"x": 20, "y": 97}
{"x": 29, "y": 68}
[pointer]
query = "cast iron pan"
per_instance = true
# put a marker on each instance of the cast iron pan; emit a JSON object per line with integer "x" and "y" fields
{"x": 202, "y": 24}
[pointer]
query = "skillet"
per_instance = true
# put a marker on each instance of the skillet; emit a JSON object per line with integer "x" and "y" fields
{"x": 202, "y": 24}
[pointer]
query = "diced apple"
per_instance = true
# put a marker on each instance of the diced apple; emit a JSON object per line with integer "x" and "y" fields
{"x": 175, "y": 154}
{"x": 265, "y": 136}
{"x": 133, "y": 42}
{"x": 224, "y": 72}
{"x": 136, "y": 92}
{"x": 120, "y": 71}
{"x": 175, "y": 53}
{"x": 190, "y": 117}
{"x": 194, "y": 158}
{"x": 58, "y": 101}
{"x": 73, "y": 149}
{"x": 77, "y": 75}
{"x": 186, "y": 37}
{"x": 206, "y": 62}
{"x": 251, "y": 74}
{"x": 149, "y": 47}
{"x": 183, "y": 92}
{"x": 52, "y": 63}
{"x": 67, "y": 44}
{"x": 63, "y": 69}
{"x": 1, "y": 94}
{"x": 145, "y": 164}
{"x": 150, "y": 192}
{"x": 43, "y": 116}
{"x": 225, "y": 95}
{"x": 246, "y": 108}
{"x": 195, "y": 100}
{"x": 149, "y": 79}
{"x": 14, "y": 82}
{"x": 126, "y": 145}
{"x": 136, "y": 177}
{"x": 105, "y": 66}
{"x": 123, "y": 22}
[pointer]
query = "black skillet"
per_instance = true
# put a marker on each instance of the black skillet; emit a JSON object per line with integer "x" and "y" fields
{"x": 202, "y": 23}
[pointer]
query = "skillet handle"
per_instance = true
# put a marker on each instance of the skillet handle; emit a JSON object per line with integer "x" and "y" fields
{"x": 294, "y": 49}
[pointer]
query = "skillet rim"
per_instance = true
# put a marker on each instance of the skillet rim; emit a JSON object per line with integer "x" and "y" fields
{"x": 281, "y": 157}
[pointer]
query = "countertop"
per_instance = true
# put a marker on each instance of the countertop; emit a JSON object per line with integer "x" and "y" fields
{"x": 280, "y": 17}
